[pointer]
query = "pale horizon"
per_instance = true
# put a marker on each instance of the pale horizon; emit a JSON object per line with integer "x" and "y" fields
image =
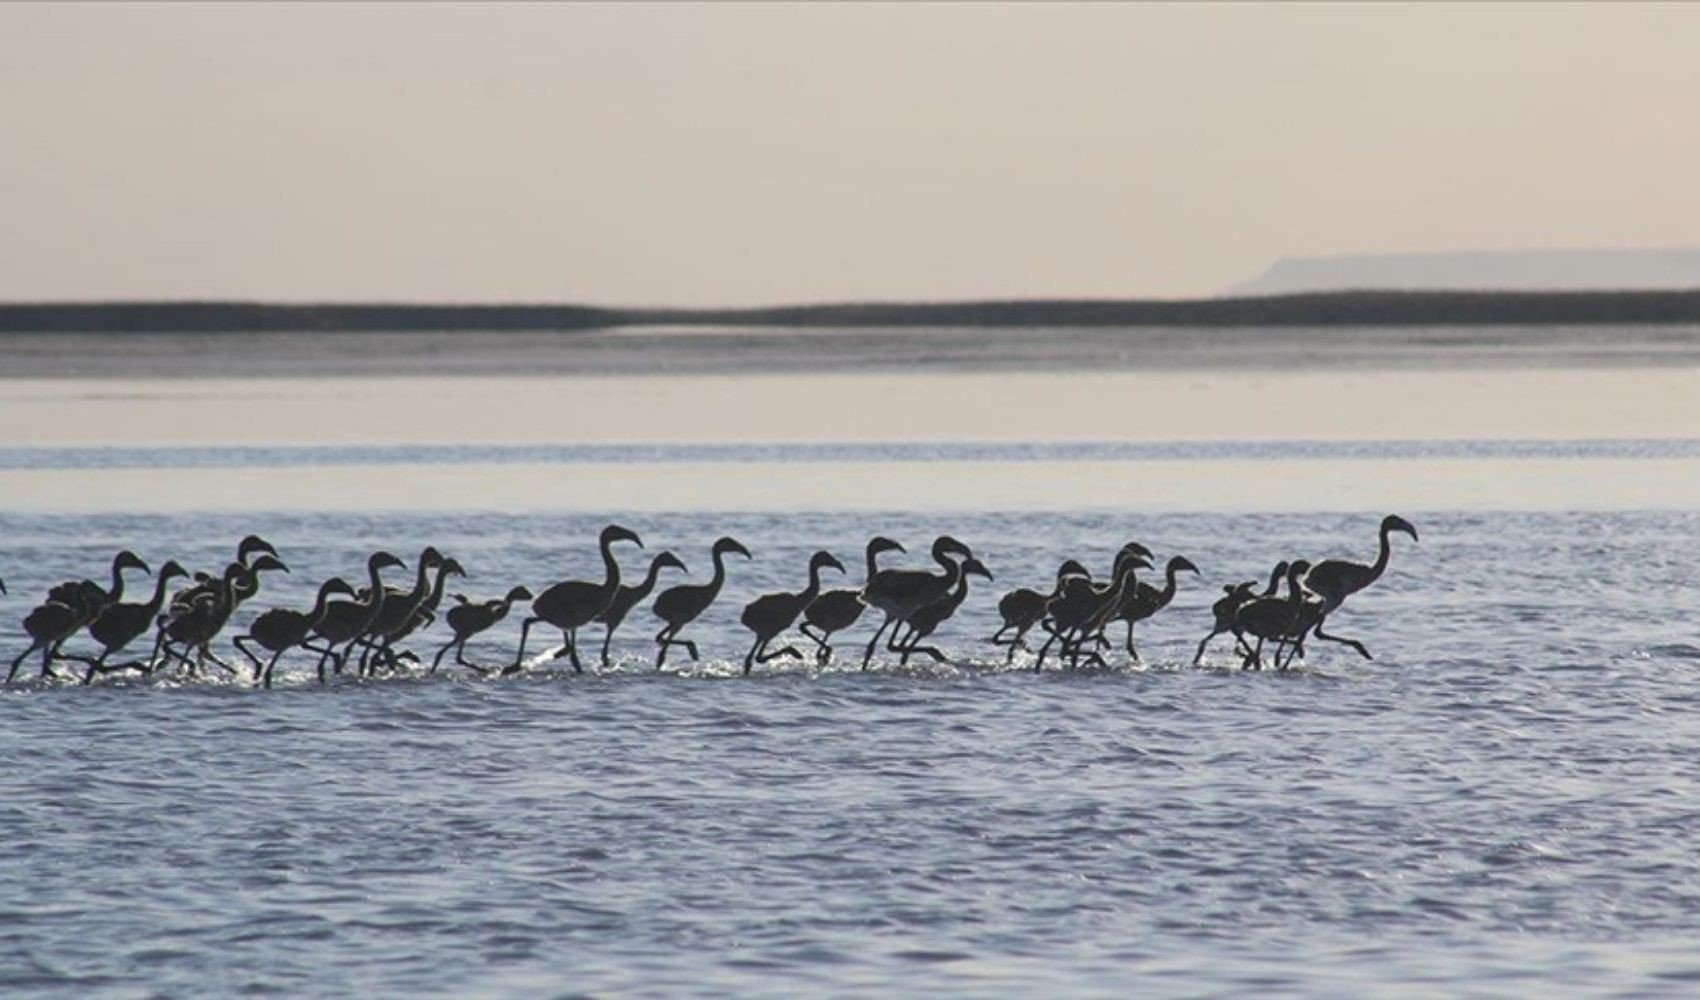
{"x": 752, "y": 155}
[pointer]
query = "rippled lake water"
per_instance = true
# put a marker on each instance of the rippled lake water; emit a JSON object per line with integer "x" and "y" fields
{"x": 1508, "y": 795}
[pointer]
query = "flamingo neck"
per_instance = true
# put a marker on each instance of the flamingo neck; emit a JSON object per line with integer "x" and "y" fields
{"x": 719, "y": 578}
{"x": 961, "y": 593}
{"x": 232, "y": 582}
{"x": 436, "y": 597}
{"x": 1167, "y": 594}
{"x": 649, "y": 579}
{"x": 1274, "y": 583}
{"x": 611, "y": 578}
{"x": 421, "y": 583}
{"x": 1295, "y": 592}
{"x": 158, "y": 601}
{"x": 873, "y": 554}
{"x": 1125, "y": 580}
{"x": 809, "y": 593}
{"x": 116, "y": 591}
{"x": 1382, "y": 556}
{"x": 375, "y": 592}
{"x": 952, "y": 574}
{"x": 320, "y": 605}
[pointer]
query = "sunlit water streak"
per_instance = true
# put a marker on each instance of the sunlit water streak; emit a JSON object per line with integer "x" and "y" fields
{"x": 794, "y": 477}
{"x": 1505, "y": 797}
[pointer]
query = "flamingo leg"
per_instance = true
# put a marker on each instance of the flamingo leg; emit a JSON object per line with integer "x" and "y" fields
{"x": 874, "y": 642}
{"x": 159, "y": 639}
{"x": 92, "y": 665}
{"x": 227, "y": 668}
{"x": 524, "y": 631}
{"x": 1019, "y": 641}
{"x": 1039, "y": 664}
{"x": 1343, "y": 640}
{"x": 242, "y": 647}
{"x": 460, "y": 658}
{"x": 572, "y": 650}
{"x": 270, "y": 666}
{"x": 19, "y": 662}
{"x": 1199, "y": 656}
{"x": 1130, "y": 650}
{"x": 931, "y": 651}
{"x": 324, "y": 653}
{"x": 790, "y": 651}
{"x": 823, "y": 652}
{"x": 438, "y": 659}
{"x": 52, "y": 653}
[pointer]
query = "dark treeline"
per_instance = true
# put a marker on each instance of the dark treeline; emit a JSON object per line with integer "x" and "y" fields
{"x": 1352, "y": 308}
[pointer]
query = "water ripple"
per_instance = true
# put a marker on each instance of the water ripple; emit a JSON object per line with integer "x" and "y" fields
{"x": 1502, "y": 801}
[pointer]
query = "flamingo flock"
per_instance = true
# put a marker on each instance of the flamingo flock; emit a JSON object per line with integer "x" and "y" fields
{"x": 359, "y": 631}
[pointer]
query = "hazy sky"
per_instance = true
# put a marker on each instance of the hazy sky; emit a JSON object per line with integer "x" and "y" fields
{"x": 752, "y": 154}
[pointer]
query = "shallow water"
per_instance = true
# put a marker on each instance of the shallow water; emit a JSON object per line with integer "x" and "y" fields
{"x": 1504, "y": 798}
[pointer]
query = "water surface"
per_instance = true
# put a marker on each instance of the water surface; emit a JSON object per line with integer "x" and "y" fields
{"x": 1503, "y": 800}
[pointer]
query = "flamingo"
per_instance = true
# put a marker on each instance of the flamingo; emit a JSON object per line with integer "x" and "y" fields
{"x": 898, "y": 592}
{"x": 121, "y": 624}
{"x": 1272, "y": 618}
{"x": 282, "y": 629}
{"x": 467, "y": 619}
{"x": 343, "y": 623}
{"x": 574, "y": 603}
{"x": 839, "y": 609}
{"x": 925, "y": 621}
{"x": 771, "y": 614}
{"x": 1021, "y": 609}
{"x": 627, "y": 598}
{"x": 52, "y": 622}
{"x": 1230, "y": 602}
{"x": 681, "y": 605}
{"x": 1334, "y": 580}
{"x": 1144, "y": 601}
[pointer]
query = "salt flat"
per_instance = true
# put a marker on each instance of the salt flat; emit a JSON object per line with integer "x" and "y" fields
{"x": 1470, "y": 403}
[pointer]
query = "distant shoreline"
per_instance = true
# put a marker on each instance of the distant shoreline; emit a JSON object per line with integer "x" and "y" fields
{"x": 685, "y": 350}
{"x": 1338, "y": 332}
{"x": 1323, "y": 309}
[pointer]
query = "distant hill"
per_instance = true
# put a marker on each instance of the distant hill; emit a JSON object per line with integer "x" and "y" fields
{"x": 1518, "y": 270}
{"x": 1358, "y": 308}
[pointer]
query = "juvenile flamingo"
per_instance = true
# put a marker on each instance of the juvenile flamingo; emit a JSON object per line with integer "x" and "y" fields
{"x": 839, "y": 609}
{"x": 926, "y": 621}
{"x": 1334, "y": 580}
{"x": 771, "y": 614}
{"x": 121, "y": 624}
{"x": 1270, "y": 619}
{"x": 282, "y": 629}
{"x": 344, "y": 622}
{"x": 52, "y": 622}
{"x": 1080, "y": 605}
{"x": 1227, "y": 605}
{"x": 898, "y": 592}
{"x": 467, "y": 619}
{"x": 681, "y": 605}
{"x": 627, "y": 598}
{"x": 1022, "y": 608}
{"x": 575, "y": 603}
{"x": 1144, "y": 600}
